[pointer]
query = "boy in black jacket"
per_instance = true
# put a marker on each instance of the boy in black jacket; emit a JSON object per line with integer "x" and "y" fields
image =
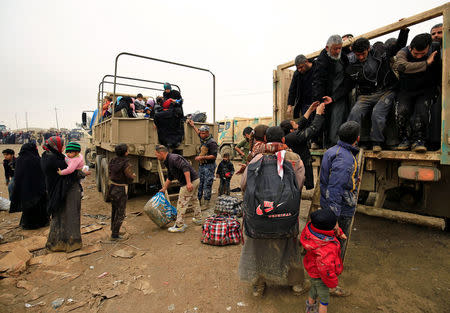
{"x": 120, "y": 175}
{"x": 225, "y": 171}
{"x": 9, "y": 164}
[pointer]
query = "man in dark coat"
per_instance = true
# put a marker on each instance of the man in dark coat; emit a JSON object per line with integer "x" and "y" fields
{"x": 300, "y": 91}
{"x": 371, "y": 73}
{"x": 297, "y": 136}
{"x": 328, "y": 86}
{"x": 420, "y": 69}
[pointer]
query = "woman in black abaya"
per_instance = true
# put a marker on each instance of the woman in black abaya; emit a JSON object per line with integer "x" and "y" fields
{"x": 29, "y": 195}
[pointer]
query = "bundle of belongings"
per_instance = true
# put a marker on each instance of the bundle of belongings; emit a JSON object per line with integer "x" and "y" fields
{"x": 198, "y": 117}
{"x": 159, "y": 210}
{"x": 169, "y": 120}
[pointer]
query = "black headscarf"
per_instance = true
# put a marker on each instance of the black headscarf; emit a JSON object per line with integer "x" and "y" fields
{"x": 29, "y": 181}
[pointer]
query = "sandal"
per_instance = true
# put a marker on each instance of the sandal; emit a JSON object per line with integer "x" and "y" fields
{"x": 258, "y": 290}
{"x": 339, "y": 292}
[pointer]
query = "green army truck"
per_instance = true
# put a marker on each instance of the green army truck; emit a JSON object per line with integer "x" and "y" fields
{"x": 140, "y": 134}
{"x": 407, "y": 186}
{"x": 230, "y": 132}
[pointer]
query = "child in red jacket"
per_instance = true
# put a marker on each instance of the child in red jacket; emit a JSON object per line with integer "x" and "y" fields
{"x": 322, "y": 261}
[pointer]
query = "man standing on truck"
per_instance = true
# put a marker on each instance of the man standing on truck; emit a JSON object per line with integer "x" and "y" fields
{"x": 300, "y": 91}
{"x": 419, "y": 66}
{"x": 207, "y": 160}
{"x": 371, "y": 73}
{"x": 328, "y": 87}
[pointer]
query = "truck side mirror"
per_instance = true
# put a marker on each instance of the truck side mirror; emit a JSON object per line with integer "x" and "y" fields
{"x": 84, "y": 119}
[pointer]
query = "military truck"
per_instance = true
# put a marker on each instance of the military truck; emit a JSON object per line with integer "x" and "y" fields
{"x": 415, "y": 184}
{"x": 139, "y": 134}
{"x": 230, "y": 131}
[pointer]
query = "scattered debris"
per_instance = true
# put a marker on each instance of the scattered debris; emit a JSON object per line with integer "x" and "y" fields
{"x": 85, "y": 251}
{"x": 117, "y": 283}
{"x": 98, "y": 216}
{"x": 179, "y": 243}
{"x": 63, "y": 275}
{"x": 90, "y": 228}
{"x": 171, "y": 307}
{"x": 102, "y": 275}
{"x": 228, "y": 308}
{"x": 108, "y": 294}
{"x": 40, "y": 303}
{"x": 126, "y": 254}
{"x": 15, "y": 261}
{"x": 25, "y": 285}
{"x": 48, "y": 259}
{"x": 144, "y": 286}
{"x": 91, "y": 267}
{"x": 241, "y": 304}
{"x": 57, "y": 303}
{"x": 31, "y": 244}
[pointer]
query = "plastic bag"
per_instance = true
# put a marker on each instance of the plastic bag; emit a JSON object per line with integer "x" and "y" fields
{"x": 159, "y": 210}
{"x": 4, "y": 204}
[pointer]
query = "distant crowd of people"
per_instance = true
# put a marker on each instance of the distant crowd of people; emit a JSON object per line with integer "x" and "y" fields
{"x": 396, "y": 87}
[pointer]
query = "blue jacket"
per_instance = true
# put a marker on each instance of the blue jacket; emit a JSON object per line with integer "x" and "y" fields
{"x": 338, "y": 179}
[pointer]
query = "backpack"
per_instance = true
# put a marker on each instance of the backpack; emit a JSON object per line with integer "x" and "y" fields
{"x": 229, "y": 205}
{"x": 271, "y": 204}
{"x": 221, "y": 230}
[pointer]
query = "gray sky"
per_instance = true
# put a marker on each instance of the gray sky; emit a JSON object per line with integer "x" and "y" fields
{"x": 54, "y": 53}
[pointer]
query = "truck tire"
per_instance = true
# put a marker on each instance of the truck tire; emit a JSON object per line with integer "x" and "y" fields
{"x": 98, "y": 172}
{"x": 105, "y": 180}
{"x": 226, "y": 149}
{"x": 89, "y": 158}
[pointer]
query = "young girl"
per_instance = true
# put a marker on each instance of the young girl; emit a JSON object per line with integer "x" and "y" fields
{"x": 73, "y": 159}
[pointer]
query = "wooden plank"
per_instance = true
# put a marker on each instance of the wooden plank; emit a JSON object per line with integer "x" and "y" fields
{"x": 162, "y": 180}
{"x": 445, "y": 133}
{"x": 284, "y": 80}
{"x": 415, "y": 19}
{"x": 402, "y": 217}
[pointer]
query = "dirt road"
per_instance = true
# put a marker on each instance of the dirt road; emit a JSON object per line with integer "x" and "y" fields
{"x": 390, "y": 267}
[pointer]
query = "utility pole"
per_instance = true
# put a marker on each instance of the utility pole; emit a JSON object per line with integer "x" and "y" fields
{"x": 26, "y": 119}
{"x": 17, "y": 124}
{"x": 56, "y": 114}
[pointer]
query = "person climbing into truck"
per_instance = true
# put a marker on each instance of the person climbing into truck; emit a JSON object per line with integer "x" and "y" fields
{"x": 243, "y": 147}
{"x": 297, "y": 135}
{"x": 224, "y": 172}
{"x": 120, "y": 175}
{"x": 170, "y": 93}
{"x": 339, "y": 183}
{"x": 207, "y": 159}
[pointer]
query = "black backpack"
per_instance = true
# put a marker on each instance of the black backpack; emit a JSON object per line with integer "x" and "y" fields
{"x": 271, "y": 204}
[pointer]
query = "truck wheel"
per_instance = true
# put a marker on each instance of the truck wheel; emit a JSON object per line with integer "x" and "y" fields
{"x": 226, "y": 149}
{"x": 89, "y": 158}
{"x": 98, "y": 172}
{"x": 105, "y": 180}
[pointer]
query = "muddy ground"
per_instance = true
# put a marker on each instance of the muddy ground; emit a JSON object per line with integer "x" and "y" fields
{"x": 390, "y": 267}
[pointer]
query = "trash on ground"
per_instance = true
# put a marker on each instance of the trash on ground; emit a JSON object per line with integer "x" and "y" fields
{"x": 57, "y": 303}
{"x": 122, "y": 253}
{"x": 102, "y": 275}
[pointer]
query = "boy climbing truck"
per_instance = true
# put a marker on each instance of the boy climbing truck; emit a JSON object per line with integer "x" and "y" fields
{"x": 408, "y": 186}
{"x": 139, "y": 133}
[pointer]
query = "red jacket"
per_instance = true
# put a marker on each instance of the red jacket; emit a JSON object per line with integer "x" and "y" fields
{"x": 322, "y": 258}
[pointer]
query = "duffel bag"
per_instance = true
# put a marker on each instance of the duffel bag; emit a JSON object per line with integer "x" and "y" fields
{"x": 229, "y": 205}
{"x": 220, "y": 230}
{"x": 159, "y": 210}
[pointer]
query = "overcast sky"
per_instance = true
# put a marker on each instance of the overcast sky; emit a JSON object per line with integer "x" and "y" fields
{"x": 55, "y": 53}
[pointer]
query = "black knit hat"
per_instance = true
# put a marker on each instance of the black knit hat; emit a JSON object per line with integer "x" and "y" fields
{"x": 73, "y": 147}
{"x": 323, "y": 219}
